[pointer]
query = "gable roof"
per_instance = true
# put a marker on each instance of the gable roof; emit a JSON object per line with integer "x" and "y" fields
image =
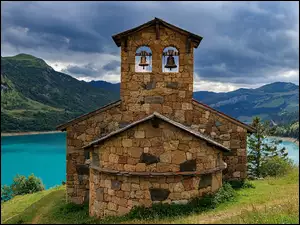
{"x": 233, "y": 120}
{"x": 63, "y": 126}
{"x": 166, "y": 119}
{"x": 194, "y": 37}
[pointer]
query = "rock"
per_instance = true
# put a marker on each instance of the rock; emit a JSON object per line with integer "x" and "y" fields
{"x": 173, "y": 85}
{"x": 180, "y": 202}
{"x": 135, "y": 152}
{"x": 139, "y": 134}
{"x": 127, "y": 143}
{"x": 115, "y": 185}
{"x": 150, "y": 85}
{"x": 189, "y": 165}
{"x": 99, "y": 194}
{"x": 140, "y": 167}
{"x": 178, "y": 187}
{"x": 171, "y": 145}
{"x": 159, "y": 194}
{"x": 166, "y": 157}
{"x": 113, "y": 158}
{"x": 154, "y": 99}
{"x": 148, "y": 158}
{"x": 178, "y": 157}
{"x": 188, "y": 155}
{"x": 122, "y": 159}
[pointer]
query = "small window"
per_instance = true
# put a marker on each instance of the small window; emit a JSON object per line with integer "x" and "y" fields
{"x": 86, "y": 155}
{"x": 143, "y": 62}
{"x": 170, "y": 60}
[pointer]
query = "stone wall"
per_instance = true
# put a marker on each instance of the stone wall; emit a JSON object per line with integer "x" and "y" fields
{"x": 116, "y": 195}
{"x": 145, "y": 148}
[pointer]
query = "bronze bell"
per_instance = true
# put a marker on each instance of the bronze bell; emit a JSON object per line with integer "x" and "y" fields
{"x": 143, "y": 62}
{"x": 170, "y": 63}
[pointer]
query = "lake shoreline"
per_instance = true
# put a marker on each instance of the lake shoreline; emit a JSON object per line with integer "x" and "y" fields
{"x": 290, "y": 139}
{"x": 28, "y": 133}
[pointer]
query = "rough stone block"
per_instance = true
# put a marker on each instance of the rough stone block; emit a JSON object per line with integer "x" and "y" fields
{"x": 115, "y": 185}
{"x": 150, "y": 85}
{"x": 189, "y": 165}
{"x": 166, "y": 157}
{"x": 178, "y": 157}
{"x": 148, "y": 158}
{"x": 172, "y": 85}
{"x": 154, "y": 99}
{"x": 159, "y": 194}
{"x": 99, "y": 194}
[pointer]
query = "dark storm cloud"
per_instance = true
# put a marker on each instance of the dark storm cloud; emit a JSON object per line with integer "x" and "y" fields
{"x": 111, "y": 65}
{"x": 243, "y": 41}
{"x": 87, "y": 70}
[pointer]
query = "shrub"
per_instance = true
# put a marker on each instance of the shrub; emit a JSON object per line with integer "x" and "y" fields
{"x": 225, "y": 193}
{"x": 20, "y": 186}
{"x": 248, "y": 184}
{"x": 239, "y": 184}
{"x": 276, "y": 166}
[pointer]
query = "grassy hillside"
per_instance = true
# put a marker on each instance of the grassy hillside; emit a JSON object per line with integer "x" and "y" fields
{"x": 35, "y": 97}
{"x": 274, "y": 200}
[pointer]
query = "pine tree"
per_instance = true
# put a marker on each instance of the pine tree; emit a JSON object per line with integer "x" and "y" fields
{"x": 258, "y": 150}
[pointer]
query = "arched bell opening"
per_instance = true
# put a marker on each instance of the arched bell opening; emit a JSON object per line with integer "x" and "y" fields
{"x": 143, "y": 59}
{"x": 170, "y": 60}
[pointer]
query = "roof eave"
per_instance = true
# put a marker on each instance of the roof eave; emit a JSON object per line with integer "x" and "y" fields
{"x": 63, "y": 127}
{"x": 158, "y": 115}
{"x": 117, "y": 37}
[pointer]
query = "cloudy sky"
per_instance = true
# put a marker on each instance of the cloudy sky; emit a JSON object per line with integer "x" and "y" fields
{"x": 245, "y": 44}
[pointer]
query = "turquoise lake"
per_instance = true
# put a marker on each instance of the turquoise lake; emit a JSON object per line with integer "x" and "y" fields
{"x": 45, "y": 156}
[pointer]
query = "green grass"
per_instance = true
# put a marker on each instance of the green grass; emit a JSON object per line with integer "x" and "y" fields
{"x": 273, "y": 200}
{"x": 19, "y": 204}
{"x": 285, "y": 213}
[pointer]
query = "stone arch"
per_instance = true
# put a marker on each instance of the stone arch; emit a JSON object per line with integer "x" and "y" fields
{"x": 165, "y": 58}
{"x": 141, "y": 49}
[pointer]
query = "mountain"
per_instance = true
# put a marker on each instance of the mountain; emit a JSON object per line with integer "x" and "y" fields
{"x": 35, "y": 97}
{"x": 106, "y": 85}
{"x": 277, "y": 101}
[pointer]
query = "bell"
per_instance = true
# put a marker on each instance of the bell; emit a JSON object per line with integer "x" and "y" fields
{"x": 143, "y": 62}
{"x": 170, "y": 63}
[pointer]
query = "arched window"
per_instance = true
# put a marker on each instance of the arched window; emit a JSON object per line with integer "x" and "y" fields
{"x": 170, "y": 60}
{"x": 143, "y": 62}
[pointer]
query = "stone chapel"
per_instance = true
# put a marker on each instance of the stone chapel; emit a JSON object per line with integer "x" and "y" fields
{"x": 157, "y": 143}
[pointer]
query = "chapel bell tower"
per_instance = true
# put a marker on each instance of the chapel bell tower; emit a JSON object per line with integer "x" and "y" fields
{"x": 157, "y": 61}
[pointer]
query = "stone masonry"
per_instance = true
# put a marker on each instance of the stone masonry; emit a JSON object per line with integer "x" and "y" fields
{"x": 170, "y": 95}
{"x": 130, "y": 151}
